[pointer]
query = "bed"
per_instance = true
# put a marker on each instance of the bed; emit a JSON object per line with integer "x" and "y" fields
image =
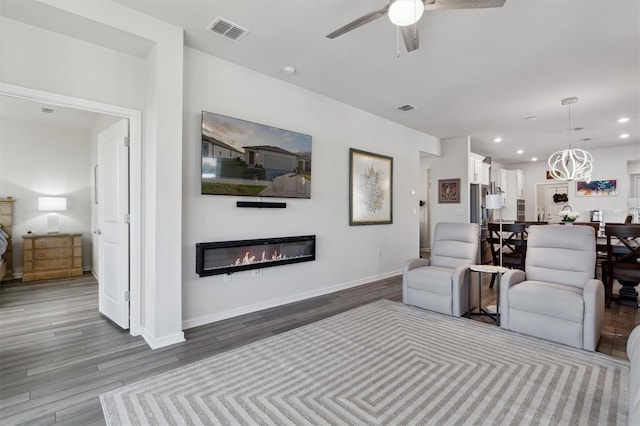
{"x": 4, "y": 243}
{"x": 6, "y": 207}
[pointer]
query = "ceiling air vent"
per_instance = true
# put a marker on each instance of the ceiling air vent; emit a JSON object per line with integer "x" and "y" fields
{"x": 406, "y": 107}
{"x": 46, "y": 110}
{"x": 227, "y": 29}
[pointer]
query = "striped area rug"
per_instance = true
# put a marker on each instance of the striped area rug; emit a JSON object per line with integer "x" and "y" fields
{"x": 384, "y": 364}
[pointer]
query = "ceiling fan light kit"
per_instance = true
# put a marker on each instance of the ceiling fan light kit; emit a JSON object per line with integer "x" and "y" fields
{"x": 405, "y": 12}
{"x": 573, "y": 163}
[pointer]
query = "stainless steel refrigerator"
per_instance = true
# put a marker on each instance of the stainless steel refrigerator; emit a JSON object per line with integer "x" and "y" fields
{"x": 482, "y": 216}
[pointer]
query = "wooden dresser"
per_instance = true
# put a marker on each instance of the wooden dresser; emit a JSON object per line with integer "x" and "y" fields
{"x": 52, "y": 256}
{"x": 6, "y": 208}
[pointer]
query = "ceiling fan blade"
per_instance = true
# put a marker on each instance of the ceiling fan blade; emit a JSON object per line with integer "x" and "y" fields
{"x": 369, "y": 17}
{"x": 411, "y": 37}
{"x": 463, "y": 4}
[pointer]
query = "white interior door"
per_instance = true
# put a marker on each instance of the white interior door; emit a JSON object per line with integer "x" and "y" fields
{"x": 113, "y": 227}
{"x": 552, "y": 208}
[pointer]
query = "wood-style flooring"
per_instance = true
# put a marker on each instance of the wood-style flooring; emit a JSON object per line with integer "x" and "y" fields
{"x": 58, "y": 354}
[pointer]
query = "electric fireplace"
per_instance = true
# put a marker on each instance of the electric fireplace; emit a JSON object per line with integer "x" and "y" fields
{"x": 226, "y": 257}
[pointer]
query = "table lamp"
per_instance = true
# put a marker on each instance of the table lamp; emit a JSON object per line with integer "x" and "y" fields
{"x": 52, "y": 204}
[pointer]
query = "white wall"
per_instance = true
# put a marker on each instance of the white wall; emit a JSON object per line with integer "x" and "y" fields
{"x": 452, "y": 164}
{"x": 44, "y": 160}
{"x": 43, "y": 60}
{"x": 345, "y": 255}
{"x": 40, "y": 59}
{"x": 608, "y": 163}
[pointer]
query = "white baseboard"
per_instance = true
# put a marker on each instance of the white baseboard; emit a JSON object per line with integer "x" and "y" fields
{"x": 160, "y": 342}
{"x": 219, "y": 316}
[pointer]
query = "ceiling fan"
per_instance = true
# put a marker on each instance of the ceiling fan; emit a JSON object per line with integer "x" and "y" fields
{"x": 406, "y": 13}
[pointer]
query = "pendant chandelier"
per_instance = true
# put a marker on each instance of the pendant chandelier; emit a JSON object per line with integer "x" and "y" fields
{"x": 572, "y": 163}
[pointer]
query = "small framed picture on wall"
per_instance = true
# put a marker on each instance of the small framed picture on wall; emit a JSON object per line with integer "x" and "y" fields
{"x": 449, "y": 191}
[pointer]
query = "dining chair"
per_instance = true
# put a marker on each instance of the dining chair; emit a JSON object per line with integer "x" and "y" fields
{"x": 623, "y": 261}
{"x": 512, "y": 246}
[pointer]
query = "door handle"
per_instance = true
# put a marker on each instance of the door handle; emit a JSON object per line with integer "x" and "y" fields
{"x": 98, "y": 232}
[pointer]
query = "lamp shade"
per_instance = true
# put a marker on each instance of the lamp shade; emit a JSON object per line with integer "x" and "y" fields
{"x": 493, "y": 202}
{"x": 52, "y": 204}
{"x": 405, "y": 12}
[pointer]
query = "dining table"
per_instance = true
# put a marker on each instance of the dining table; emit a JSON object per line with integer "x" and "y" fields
{"x": 627, "y": 294}
{"x": 617, "y": 249}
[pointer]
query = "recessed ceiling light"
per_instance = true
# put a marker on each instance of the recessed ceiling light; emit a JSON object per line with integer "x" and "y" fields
{"x": 289, "y": 70}
{"x": 498, "y": 139}
{"x": 520, "y": 151}
{"x": 623, "y": 119}
{"x": 624, "y": 136}
{"x": 534, "y": 158}
{"x": 531, "y": 117}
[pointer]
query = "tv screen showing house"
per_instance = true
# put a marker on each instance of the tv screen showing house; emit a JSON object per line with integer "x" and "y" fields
{"x": 249, "y": 159}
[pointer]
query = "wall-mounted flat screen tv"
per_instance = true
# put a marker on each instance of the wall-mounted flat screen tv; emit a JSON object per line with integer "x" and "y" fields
{"x": 249, "y": 159}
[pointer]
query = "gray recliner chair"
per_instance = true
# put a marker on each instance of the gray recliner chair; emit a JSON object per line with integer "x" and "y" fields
{"x": 556, "y": 297}
{"x": 441, "y": 283}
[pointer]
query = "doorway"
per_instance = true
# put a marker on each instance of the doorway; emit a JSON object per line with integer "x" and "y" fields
{"x": 424, "y": 206}
{"x": 134, "y": 186}
{"x": 550, "y": 200}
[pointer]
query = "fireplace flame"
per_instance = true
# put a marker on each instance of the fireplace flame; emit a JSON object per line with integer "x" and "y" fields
{"x": 249, "y": 259}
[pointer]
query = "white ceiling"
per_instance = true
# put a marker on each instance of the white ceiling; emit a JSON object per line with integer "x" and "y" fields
{"x": 28, "y": 111}
{"x": 478, "y": 72}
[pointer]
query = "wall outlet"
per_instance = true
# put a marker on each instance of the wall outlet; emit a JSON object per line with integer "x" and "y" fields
{"x": 226, "y": 277}
{"x": 379, "y": 252}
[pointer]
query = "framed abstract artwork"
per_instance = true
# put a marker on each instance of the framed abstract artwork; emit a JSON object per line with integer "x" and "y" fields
{"x": 370, "y": 188}
{"x": 597, "y": 188}
{"x": 449, "y": 191}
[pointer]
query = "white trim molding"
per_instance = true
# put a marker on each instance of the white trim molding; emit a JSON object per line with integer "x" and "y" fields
{"x": 135, "y": 181}
{"x": 230, "y": 313}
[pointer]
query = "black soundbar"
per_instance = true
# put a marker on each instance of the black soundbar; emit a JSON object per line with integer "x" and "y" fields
{"x": 261, "y": 204}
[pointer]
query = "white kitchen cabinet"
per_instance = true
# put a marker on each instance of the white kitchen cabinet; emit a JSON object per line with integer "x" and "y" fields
{"x": 486, "y": 174}
{"x": 519, "y": 183}
{"x": 515, "y": 192}
{"x": 478, "y": 170}
{"x": 504, "y": 186}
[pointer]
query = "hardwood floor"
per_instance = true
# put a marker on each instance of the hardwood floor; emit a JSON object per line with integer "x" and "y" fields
{"x": 58, "y": 354}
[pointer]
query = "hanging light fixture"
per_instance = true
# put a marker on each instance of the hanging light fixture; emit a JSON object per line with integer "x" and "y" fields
{"x": 405, "y": 12}
{"x": 572, "y": 163}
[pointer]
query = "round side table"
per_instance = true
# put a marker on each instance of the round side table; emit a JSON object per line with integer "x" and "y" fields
{"x": 486, "y": 269}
